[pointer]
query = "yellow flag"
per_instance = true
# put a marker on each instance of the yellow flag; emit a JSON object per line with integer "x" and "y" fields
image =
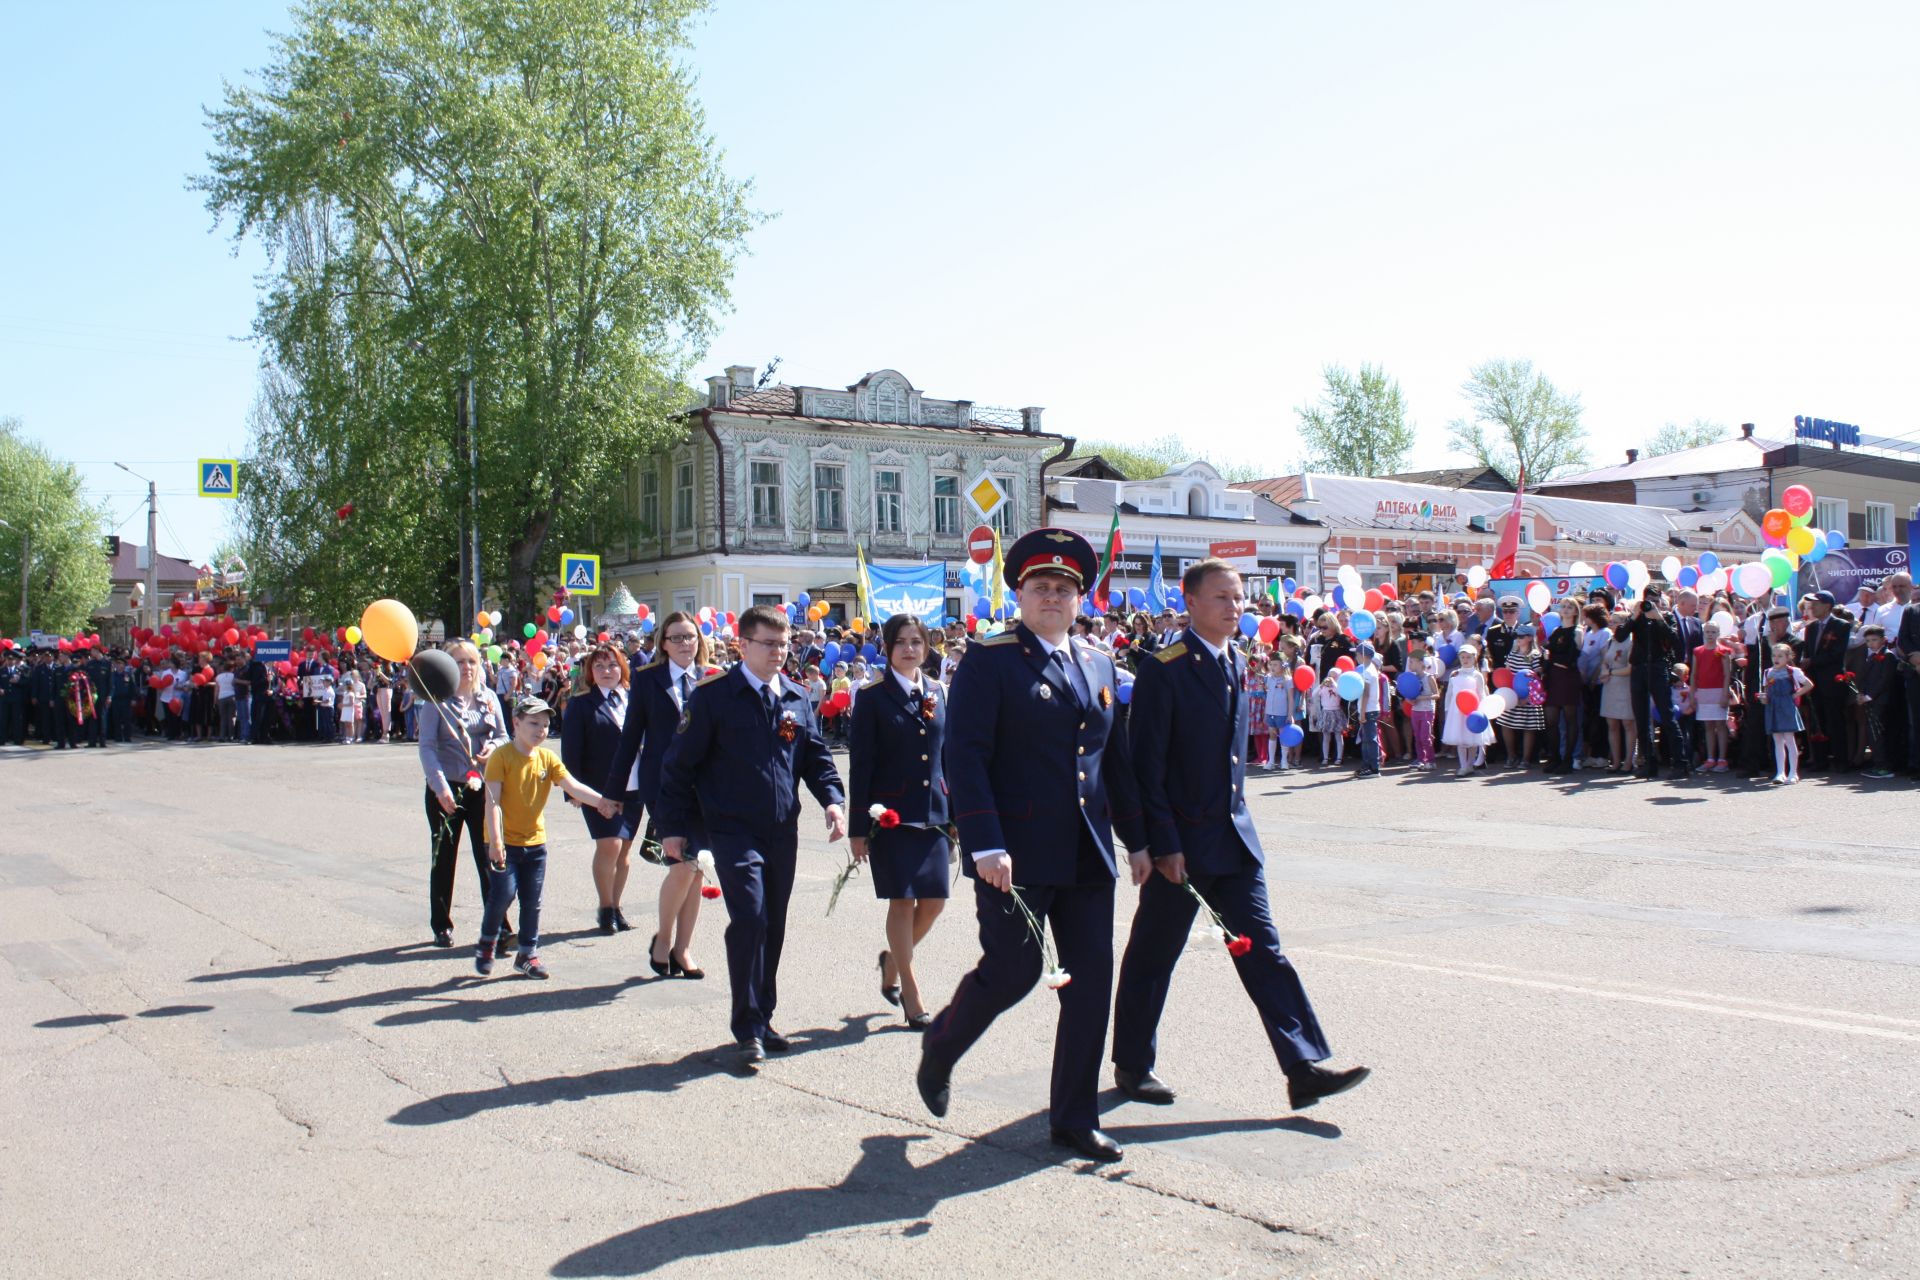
{"x": 996, "y": 578}
{"x": 865, "y": 588}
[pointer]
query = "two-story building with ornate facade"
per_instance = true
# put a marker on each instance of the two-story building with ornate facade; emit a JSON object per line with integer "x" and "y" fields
{"x": 772, "y": 487}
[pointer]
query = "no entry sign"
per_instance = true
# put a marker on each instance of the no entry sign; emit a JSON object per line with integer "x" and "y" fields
{"x": 980, "y": 545}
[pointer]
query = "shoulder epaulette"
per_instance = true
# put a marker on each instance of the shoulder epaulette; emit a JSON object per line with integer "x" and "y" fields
{"x": 1005, "y": 637}
{"x": 705, "y": 680}
{"x": 1178, "y": 649}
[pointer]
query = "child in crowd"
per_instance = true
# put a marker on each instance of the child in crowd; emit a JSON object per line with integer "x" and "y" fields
{"x": 1330, "y": 720}
{"x": 1257, "y": 730}
{"x": 1420, "y": 708}
{"x": 1709, "y": 688}
{"x": 1280, "y": 694}
{"x": 1680, "y": 684}
{"x": 1784, "y": 684}
{"x": 323, "y": 694}
{"x": 1469, "y": 745}
{"x": 1373, "y": 684}
{"x": 349, "y": 698}
{"x": 519, "y": 777}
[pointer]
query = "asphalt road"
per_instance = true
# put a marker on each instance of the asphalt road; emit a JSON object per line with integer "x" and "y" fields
{"x": 1619, "y": 1029}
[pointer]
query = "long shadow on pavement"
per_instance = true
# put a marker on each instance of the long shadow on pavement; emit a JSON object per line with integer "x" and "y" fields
{"x": 313, "y": 968}
{"x": 535, "y": 999}
{"x": 882, "y": 1188}
{"x": 643, "y": 1077}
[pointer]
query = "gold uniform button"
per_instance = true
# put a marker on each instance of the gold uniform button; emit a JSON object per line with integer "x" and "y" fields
{"x": 923, "y": 759}
{"x": 1083, "y": 777}
{"x": 1083, "y": 802}
{"x": 925, "y": 783}
{"x": 1083, "y": 751}
{"x": 1232, "y": 759}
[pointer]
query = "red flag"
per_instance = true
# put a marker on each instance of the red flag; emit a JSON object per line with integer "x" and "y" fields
{"x": 1108, "y": 555}
{"x": 1503, "y": 559}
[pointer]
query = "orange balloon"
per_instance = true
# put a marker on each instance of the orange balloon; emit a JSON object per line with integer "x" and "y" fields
{"x": 1776, "y": 523}
{"x": 390, "y": 630}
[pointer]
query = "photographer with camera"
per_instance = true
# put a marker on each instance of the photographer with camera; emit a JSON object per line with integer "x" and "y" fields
{"x": 1654, "y": 649}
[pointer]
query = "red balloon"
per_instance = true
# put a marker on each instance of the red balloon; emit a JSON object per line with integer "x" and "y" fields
{"x": 1269, "y": 630}
{"x": 1303, "y": 678}
{"x": 602, "y": 637}
{"x": 1466, "y": 702}
{"x": 232, "y": 636}
{"x": 1502, "y": 678}
{"x": 1374, "y": 601}
{"x": 199, "y": 677}
{"x": 1343, "y": 663}
{"x": 66, "y": 646}
{"x": 553, "y": 613}
{"x": 156, "y": 682}
{"x": 643, "y": 613}
{"x": 1390, "y": 591}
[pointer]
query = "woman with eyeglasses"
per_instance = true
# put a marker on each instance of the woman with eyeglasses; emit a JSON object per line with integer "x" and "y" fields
{"x": 658, "y": 694}
{"x": 894, "y": 764}
{"x": 456, "y": 737}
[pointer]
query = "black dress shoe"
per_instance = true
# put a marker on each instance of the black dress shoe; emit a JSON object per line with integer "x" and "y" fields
{"x": 750, "y": 1052}
{"x": 443, "y": 937}
{"x": 933, "y": 1080}
{"x": 1309, "y": 1083}
{"x": 605, "y": 922}
{"x": 775, "y": 1042}
{"x": 1143, "y": 1086}
{"x": 681, "y": 969}
{"x": 620, "y": 921}
{"x": 1091, "y": 1143}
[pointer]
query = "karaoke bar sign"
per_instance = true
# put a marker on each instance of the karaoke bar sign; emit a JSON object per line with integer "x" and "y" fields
{"x": 1805, "y": 428}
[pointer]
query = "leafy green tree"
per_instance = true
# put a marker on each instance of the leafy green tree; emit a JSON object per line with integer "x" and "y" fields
{"x": 1520, "y": 423}
{"x": 1672, "y": 438}
{"x": 1159, "y": 456}
{"x": 520, "y": 194}
{"x": 62, "y": 536}
{"x": 1360, "y": 426}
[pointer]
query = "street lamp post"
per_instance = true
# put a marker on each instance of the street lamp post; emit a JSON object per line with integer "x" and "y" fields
{"x": 153, "y": 538}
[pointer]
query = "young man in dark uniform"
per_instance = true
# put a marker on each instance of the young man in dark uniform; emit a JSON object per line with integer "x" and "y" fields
{"x": 1036, "y": 762}
{"x": 745, "y": 742}
{"x": 99, "y": 669}
{"x": 1187, "y": 731}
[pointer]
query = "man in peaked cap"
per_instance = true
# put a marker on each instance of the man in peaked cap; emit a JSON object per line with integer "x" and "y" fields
{"x": 1038, "y": 774}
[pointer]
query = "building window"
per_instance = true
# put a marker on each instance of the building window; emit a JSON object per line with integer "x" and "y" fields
{"x": 1879, "y": 522}
{"x": 946, "y": 506}
{"x": 766, "y": 494}
{"x": 829, "y": 497}
{"x": 683, "y": 496}
{"x": 650, "y": 501}
{"x": 1830, "y": 513}
{"x": 887, "y": 512}
{"x": 1526, "y": 534}
{"x": 765, "y": 597}
{"x": 1003, "y": 518}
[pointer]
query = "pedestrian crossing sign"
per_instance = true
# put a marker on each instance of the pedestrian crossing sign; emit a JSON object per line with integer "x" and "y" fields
{"x": 580, "y": 574}
{"x": 218, "y": 477}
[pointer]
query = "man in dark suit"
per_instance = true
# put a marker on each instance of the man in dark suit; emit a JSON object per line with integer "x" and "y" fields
{"x": 1906, "y": 645}
{"x": 1037, "y": 765}
{"x": 1824, "y": 651}
{"x": 1187, "y": 730}
{"x": 744, "y": 744}
{"x": 40, "y": 695}
{"x": 260, "y": 683}
{"x": 99, "y": 670}
{"x": 13, "y": 698}
{"x": 1652, "y": 683}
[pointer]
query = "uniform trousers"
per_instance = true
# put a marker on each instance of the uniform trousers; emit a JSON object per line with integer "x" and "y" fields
{"x": 1081, "y": 919}
{"x": 1161, "y": 927}
{"x": 756, "y": 879}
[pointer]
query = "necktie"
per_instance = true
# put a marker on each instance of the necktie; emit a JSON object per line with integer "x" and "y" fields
{"x": 1072, "y": 674}
{"x": 1233, "y": 684}
{"x": 766, "y": 696}
{"x": 686, "y": 687}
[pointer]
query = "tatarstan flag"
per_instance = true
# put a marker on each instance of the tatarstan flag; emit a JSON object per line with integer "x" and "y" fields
{"x": 1111, "y": 553}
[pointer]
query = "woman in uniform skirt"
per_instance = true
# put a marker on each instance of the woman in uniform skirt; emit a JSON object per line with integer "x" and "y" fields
{"x": 590, "y": 733}
{"x": 893, "y": 766}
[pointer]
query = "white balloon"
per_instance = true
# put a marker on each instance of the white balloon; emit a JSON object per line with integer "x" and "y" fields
{"x": 1724, "y": 621}
{"x": 1477, "y": 576}
{"x": 1349, "y": 578}
{"x": 1637, "y": 574}
{"x": 1539, "y": 596}
{"x": 496, "y": 617}
{"x": 1313, "y": 605}
{"x": 579, "y": 631}
{"x": 1496, "y": 704}
{"x": 1670, "y": 568}
{"x": 1753, "y": 579}
{"x": 1581, "y": 569}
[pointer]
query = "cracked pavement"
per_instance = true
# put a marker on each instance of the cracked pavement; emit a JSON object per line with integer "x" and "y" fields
{"x": 1619, "y": 1029}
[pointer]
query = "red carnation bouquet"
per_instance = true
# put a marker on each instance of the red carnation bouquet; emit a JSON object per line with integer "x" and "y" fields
{"x": 1237, "y": 944}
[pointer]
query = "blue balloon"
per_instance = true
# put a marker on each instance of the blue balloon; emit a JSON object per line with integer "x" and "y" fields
{"x": 646, "y": 625}
{"x": 793, "y": 613}
{"x": 1448, "y": 655}
{"x": 1136, "y": 597}
{"x": 1292, "y": 736}
{"x": 829, "y": 654}
{"x": 1350, "y": 685}
{"x": 1249, "y": 625}
{"x": 1708, "y": 562}
{"x": 1408, "y": 684}
{"x": 706, "y": 628}
{"x": 1522, "y": 682}
{"x": 803, "y": 599}
{"x": 983, "y": 608}
{"x": 1836, "y": 540}
{"x": 1549, "y": 623}
{"x": 1289, "y": 586}
{"x": 1820, "y": 546}
{"x": 1687, "y": 577}
{"x": 1338, "y": 596}
{"x": 1476, "y": 723}
{"x": 566, "y": 617}
{"x": 1363, "y": 625}
{"x": 870, "y": 653}
{"x": 1297, "y": 609}
{"x": 1176, "y": 600}
{"x": 1617, "y": 576}
{"x": 1125, "y": 692}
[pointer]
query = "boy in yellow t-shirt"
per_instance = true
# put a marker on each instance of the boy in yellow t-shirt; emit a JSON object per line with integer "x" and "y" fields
{"x": 519, "y": 777}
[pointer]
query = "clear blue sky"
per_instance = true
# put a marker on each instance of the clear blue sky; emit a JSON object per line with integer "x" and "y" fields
{"x": 1151, "y": 219}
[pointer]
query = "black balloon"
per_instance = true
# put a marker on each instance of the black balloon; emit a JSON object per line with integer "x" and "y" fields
{"x": 435, "y": 674}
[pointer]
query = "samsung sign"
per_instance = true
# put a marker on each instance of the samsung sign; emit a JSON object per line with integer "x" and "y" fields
{"x": 1821, "y": 429}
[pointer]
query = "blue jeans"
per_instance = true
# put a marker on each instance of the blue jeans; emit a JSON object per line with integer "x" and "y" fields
{"x": 1370, "y": 741}
{"x": 243, "y": 717}
{"x": 524, "y": 876}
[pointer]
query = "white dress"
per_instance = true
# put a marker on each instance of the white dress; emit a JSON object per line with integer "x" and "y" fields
{"x": 1455, "y": 732}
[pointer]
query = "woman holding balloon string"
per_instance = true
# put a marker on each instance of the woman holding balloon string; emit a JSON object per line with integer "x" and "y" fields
{"x": 1523, "y": 718}
{"x": 460, "y": 727}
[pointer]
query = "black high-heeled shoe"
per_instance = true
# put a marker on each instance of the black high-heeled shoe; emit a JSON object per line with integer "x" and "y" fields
{"x": 919, "y": 1021}
{"x": 683, "y": 970}
{"x": 891, "y": 994}
{"x": 661, "y": 968}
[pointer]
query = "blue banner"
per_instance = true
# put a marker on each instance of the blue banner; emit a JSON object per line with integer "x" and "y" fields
{"x": 920, "y": 590}
{"x": 1156, "y": 585}
{"x": 1503, "y": 587}
{"x": 1845, "y": 571}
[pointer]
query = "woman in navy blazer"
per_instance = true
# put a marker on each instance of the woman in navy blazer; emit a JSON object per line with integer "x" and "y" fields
{"x": 590, "y": 732}
{"x": 680, "y": 661}
{"x": 899, "y": 730}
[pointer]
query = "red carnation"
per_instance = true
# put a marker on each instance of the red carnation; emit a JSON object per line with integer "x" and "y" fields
{"x": 888, "y": 820}
{"x": 1239, "y": 945}
{"x": 709, "y": 891}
